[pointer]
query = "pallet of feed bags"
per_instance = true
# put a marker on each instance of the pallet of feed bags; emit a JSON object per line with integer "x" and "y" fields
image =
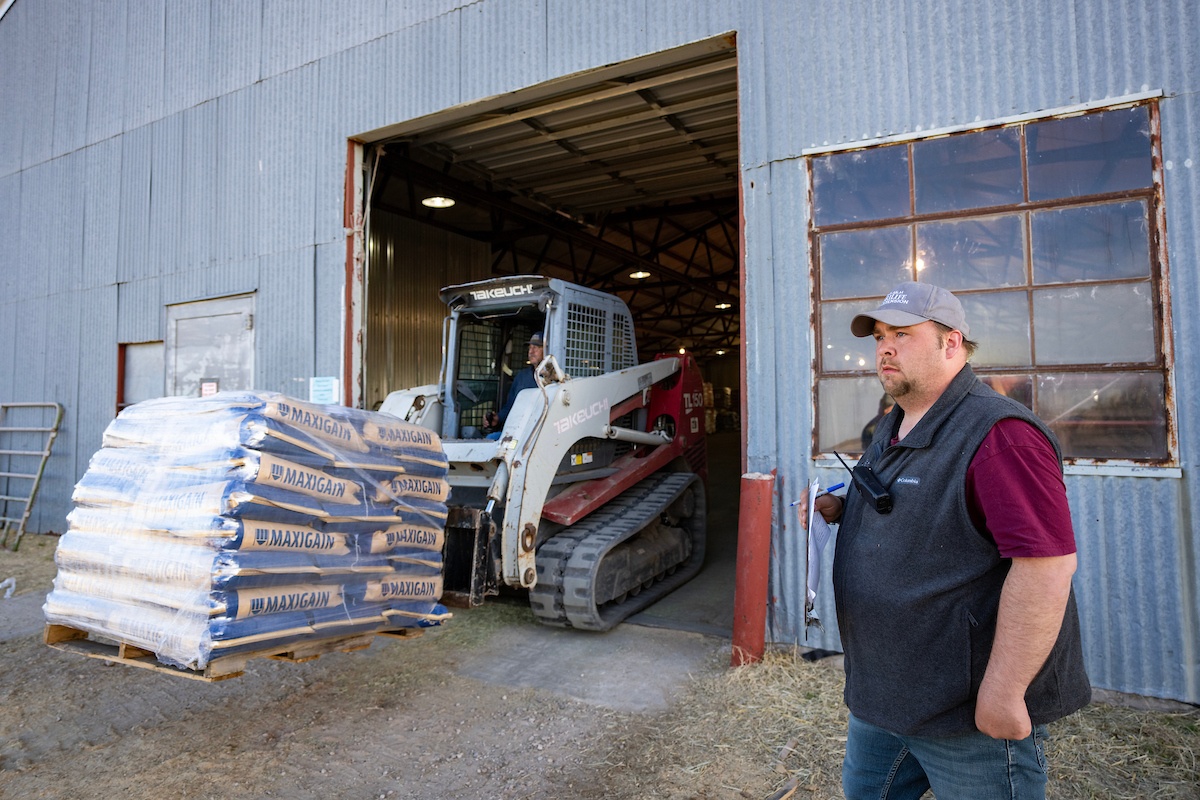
{"x": 207, "y": 531}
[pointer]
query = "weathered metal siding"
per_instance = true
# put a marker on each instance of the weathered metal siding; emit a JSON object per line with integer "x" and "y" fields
{"x": 234, "y": 47}
{"x": 101, "y": 213}
{"x": 14, "y": 92}
{"x": 204, "y": 147}
{"x": 284, "y": 311}
{"x": 107, "y": 69}
{"x": 37, "y": 76}
{"x": 145, "y": 65}
{"x": 1133, "y": 597}
{"x": 71, "y": 77}
{"x": 1177, "y": 54}
{"x": 503, "y": 47}
{"x": 329, "y": 271}
{"x": 134, "y": 259}
{"x": 10, "y": 227}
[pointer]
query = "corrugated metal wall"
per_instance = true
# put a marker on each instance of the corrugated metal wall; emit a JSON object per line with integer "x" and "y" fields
{"x": 156, "y": 152}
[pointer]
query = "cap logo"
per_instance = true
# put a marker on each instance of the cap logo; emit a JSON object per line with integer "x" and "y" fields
{"x": 896, "y": 296}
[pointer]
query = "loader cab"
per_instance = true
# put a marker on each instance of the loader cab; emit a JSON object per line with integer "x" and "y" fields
{"x": 588, "y": 333}
{"x": 490, "y": 325}
{"x": 489, "y": 354}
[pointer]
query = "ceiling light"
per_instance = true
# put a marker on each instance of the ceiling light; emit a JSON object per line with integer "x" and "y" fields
{"x": 437, "y": 202}
{"x": 682, "y": 350}
{"x": 720, "y": 352}
{"x": 723, "y": 306}
{"x": 641, "y": 274}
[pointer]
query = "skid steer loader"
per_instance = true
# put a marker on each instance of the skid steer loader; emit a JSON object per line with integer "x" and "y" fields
{"x": 592, "y": 497}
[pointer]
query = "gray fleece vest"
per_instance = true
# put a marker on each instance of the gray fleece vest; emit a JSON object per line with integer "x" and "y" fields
{"x": 918, "y": 590}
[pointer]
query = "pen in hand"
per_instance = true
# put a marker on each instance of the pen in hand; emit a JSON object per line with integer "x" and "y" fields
{"x": 821, "y": 493}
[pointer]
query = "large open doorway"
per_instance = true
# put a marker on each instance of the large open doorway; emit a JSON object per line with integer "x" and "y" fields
{"x": 624, "y": 179}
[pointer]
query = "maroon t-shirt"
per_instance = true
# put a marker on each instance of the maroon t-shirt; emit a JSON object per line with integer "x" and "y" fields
{"x": 1015, "y": 491}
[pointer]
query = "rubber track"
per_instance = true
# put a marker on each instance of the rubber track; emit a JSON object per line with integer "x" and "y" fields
{"x": 567, "y": 564}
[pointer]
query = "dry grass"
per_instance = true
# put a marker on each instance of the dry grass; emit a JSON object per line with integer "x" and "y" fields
{"x": 777, "y": 729}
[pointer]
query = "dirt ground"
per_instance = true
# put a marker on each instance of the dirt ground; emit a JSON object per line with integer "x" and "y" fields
{"x": 394, "y": 720}
{"x": 406, "y": 719}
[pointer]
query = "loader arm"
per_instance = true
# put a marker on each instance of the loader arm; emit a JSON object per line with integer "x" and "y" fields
{"x": 541, "y": 429}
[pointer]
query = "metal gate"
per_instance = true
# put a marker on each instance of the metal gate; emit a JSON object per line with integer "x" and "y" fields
{"x": 24, "y": 450}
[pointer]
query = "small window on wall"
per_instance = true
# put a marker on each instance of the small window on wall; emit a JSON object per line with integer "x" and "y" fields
{"x": 1047, "y": 232}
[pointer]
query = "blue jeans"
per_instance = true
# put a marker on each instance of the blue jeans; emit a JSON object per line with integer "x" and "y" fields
{"x": 881, "y": 765}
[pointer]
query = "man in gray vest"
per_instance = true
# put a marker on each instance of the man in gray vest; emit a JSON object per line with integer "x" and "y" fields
{"x": 954, "y": 597}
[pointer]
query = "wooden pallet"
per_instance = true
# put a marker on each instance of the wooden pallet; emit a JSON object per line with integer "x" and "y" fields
{"x": 72, "y": 640}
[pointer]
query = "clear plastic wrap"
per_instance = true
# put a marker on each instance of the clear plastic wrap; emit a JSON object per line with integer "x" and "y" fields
{"x": 247, "y": 521}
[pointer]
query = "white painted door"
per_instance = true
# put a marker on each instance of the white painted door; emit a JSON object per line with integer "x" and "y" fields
{"x": 210, "y": 346}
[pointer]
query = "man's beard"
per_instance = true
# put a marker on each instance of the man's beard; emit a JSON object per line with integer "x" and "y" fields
{"x": 899, "y": 388}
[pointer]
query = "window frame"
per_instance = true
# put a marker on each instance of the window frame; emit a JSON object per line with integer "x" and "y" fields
{"x": 1158, "y": 278}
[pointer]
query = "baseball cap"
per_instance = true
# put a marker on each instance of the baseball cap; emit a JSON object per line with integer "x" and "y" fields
{"x": 912, "y": 303}
{"x": 535, "y": 340}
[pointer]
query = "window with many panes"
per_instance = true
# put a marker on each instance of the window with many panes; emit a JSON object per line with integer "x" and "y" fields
{"x": 1047, "y": 231}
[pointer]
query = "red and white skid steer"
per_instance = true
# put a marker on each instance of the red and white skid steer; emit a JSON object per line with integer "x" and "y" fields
{"x": 592, "y": 497}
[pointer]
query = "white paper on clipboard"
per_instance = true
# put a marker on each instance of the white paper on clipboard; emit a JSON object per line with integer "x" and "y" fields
{"x": 818, "y": 536}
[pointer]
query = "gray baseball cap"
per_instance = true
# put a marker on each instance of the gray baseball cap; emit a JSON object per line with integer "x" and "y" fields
{"x": 912, "y": 303}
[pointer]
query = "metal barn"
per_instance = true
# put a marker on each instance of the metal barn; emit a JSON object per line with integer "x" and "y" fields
{"x": 201, "y": 195}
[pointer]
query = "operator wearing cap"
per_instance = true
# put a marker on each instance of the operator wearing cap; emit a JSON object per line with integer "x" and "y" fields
{"x": 524, "y": 379}
{"x": 956, "y": 613}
